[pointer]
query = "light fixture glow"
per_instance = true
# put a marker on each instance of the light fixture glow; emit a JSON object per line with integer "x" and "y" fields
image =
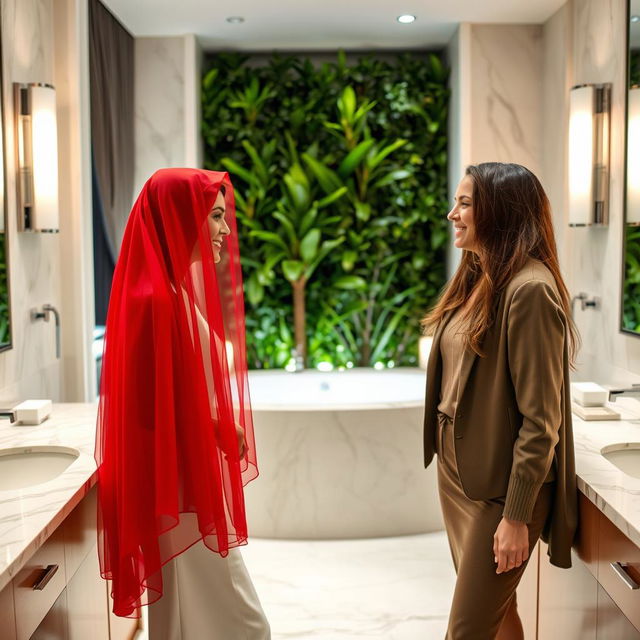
{"x": 635, "y": 19}
{"x": 424, "y": 349}
{"x": 589, "y": 155}
{"x": 37, "y": 136}
{"x": 406, "y": 18}
{"x": 235, "y": 19}
{"x": 633, "y": 158}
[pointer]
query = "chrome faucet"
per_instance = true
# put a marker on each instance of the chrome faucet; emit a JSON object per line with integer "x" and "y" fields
{"x": 298, "y": 359}
{"x": 585, "y": 302}
{"x": 630, "y": 392}
{"x": 45, "y": 314}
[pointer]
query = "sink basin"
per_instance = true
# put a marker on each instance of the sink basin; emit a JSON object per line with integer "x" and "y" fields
{"x": 29, "y": 466}
{"x": 624, "y": 456}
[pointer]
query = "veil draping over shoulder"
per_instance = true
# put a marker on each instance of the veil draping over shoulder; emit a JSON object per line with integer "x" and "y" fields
{"x": 174, "y": 385}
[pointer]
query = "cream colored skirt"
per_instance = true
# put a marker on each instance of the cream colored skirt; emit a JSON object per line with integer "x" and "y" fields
{"x": 207, "y": 597}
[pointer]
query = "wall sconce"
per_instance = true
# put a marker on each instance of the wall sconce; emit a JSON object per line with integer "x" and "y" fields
{"x": 589, "y": 106}
{"x": 633, "y": 157}
{"x": 37, "y": 161}
{"x": 424, "y": 349}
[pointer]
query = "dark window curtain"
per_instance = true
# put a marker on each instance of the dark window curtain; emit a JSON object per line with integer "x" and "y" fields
{"x": 111, "y": 69}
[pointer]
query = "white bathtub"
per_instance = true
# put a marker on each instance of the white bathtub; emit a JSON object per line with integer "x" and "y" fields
{"x": 340, "y": 455}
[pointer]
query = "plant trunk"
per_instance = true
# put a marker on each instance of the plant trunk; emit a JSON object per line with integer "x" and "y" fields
{"x": 299, "y": 331}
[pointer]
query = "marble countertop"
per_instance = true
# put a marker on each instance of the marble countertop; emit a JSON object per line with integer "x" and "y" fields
{"x": 615, "y": 493}
{"x": 29, "y": 516}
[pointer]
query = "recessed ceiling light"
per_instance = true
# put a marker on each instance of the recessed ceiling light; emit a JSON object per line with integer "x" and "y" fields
{"x": 235, "y": 19}
{"x": 635, "y": 18}
{"x": 406, "y": 18}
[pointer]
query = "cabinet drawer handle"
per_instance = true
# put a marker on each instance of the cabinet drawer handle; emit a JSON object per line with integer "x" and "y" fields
{"x": 620, "y": 569}
{"x": 46, "y": 576}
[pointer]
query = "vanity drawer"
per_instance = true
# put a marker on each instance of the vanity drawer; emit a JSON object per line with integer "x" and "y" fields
{"x": 32, "y": 604}
{"x": 80, "y": 533}
{"x": 619, "y": 570}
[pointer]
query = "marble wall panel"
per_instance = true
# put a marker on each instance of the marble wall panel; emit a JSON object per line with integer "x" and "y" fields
{"x": 159, "y": 106}
{"x": 31, "y": 368}
{"x": 584, "y": 43}
{"x": 506, "y": 93}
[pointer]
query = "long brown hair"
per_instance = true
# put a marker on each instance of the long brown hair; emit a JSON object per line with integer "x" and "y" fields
{"x": 512, "y": 219}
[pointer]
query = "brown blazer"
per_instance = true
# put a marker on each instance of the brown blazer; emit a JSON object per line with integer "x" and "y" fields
{"x": 513, "y": 419}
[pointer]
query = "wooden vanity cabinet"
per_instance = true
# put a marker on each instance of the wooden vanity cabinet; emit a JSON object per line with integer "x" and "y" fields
{"x": 37, "y": 586}
{"x": 7, "y": 614}
{"x": 591, "y": 601}
{"x": 619, "y": 570}
{"x": 74, "y": 603}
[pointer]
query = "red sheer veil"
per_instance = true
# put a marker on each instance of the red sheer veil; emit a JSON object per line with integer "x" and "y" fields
{"x": 174, "y": 385}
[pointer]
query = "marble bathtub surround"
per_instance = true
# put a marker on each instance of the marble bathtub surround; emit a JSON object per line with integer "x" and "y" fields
{"x": 339, "y": 455}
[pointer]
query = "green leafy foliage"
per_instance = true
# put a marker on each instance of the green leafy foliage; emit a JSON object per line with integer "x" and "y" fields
{"x": 631, "y": 288}
{"x": 340, "y": 175}
{"x": 5, "y": 320}
{"x": 631, "y": 285}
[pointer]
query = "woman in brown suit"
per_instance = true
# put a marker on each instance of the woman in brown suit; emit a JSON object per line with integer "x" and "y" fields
{"x": 498, "y": 410}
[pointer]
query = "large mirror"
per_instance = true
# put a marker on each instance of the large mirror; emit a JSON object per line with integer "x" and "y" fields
{"x": 631, "y": 280}
{"x": 5, "y": 307}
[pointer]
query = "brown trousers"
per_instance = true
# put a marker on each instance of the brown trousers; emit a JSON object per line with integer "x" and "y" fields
{"x": 481, "y": 597}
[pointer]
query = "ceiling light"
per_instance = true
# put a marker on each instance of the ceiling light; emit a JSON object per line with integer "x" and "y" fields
{"x": 635, "y": 18}
{"x": 406, "y": 18}
{"x": 235, "y": 20}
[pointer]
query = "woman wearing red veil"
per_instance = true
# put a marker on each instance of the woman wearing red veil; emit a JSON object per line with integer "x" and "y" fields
{"x": 175, "y": 442}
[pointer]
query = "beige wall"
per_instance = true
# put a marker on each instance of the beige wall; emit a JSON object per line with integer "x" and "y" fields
{"x": 496, "y": 100}
{"x": 50, "y": 268}
{"x": 506, "y": 90}
{"x": 30, "y": 369}
{"x": 167, "y": 105}
{"x": 513, "y": 81}
{"x": 584, "y": 42}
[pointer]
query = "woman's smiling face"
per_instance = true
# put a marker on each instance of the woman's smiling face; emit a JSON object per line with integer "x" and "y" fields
{"x": 218, "y": 227}
{"x": 462, "y": 216}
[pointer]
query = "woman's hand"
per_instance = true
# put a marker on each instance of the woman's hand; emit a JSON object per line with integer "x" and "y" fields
{"x": 242, "y": 443}
{"x": 510, "y": 544}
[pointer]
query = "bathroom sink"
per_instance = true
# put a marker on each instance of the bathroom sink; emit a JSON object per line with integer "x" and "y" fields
{"x": 624, "y": 456}
{"x": 30, "y": 466}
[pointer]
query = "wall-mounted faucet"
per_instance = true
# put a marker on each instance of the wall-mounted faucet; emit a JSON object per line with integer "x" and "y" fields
{"x": 629, "y": 392}
{"x": 298, "y": 360}
{"x": 585, "y": 302}
{"x": 45, "y": 314}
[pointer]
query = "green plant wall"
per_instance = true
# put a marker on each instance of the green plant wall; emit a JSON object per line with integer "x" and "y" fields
{"x": 340, "y": 174}
{"x": 631, "y": 285}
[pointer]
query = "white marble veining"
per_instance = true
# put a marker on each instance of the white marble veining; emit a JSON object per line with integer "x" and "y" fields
{"x": 29, "y": 516}
{"x": 585, "y": 42}
{"x": 30, "y": 368}
{"x": 167, "y": 105}
{"x": 159, "y": 106}
{"x": 506, "y": 87}
{"x": 335, "y": 467}
{"x": 615, "y": 493}
{"x": 393, "y": 588}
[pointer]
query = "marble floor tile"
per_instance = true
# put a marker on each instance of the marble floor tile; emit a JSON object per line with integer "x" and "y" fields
{"x": 392, "y": 588}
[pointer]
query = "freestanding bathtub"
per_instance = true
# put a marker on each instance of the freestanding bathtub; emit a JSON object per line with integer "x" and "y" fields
{"x": 340, "y": 455}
